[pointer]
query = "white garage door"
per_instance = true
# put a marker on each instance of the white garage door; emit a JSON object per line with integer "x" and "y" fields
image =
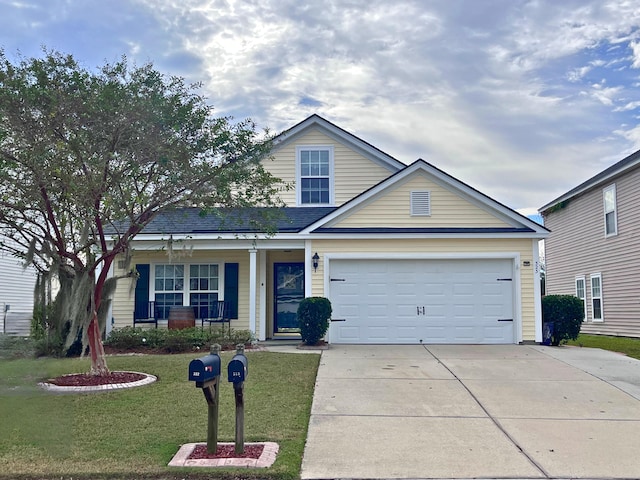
{"x": 433, "y": 301}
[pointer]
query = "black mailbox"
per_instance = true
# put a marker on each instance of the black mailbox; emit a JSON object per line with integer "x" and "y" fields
{"x": 237, "y": 369}
{"x": 204, "y": 369}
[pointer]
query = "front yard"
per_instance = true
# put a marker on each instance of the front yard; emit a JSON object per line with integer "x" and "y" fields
{"x": 626, "y": 345}
{"x": 133, "y": 433}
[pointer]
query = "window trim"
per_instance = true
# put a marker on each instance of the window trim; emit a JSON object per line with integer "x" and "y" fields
{"x": 328, "y": 148}
{"x": 614, "y": 211}
{"x": 186, "y": 290}
{"x": 592, "y": 277}
{"x": 174, "y": 293}
{"x": 584, "y": 291}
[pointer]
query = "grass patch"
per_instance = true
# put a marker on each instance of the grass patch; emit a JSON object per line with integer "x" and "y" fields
{"x": 133, "y": 433}
{"x": 627, "y": 345}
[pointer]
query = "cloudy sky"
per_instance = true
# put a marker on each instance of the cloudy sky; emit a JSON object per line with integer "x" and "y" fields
{"x": 521, "y": 99}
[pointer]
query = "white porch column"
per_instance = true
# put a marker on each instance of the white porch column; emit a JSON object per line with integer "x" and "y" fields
{"x": 308, "y": 271}
{"x": 253, "y": 288}
{"x": 537, "y": 294}
{"x": 262, "y": 258}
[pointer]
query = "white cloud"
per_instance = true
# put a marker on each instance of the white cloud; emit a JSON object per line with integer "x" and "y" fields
{"x": 494, "y": 92}
{"x": 632, "y": 134}
{"x": 605, "y": 95}
{"x": 578, "y": 74}
{"x": 627, "y": 107}
{"x": 635, "y": 49}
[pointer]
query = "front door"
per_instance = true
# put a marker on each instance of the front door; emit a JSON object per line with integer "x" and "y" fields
{"x": 289, "y": 290}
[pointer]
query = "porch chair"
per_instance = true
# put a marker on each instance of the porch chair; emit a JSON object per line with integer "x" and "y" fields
{"x": 148, "y": 317}
{"x": 217, "y": 312}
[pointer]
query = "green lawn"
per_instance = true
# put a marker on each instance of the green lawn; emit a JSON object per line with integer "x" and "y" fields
{"x": 133, "y": 433}
{"x": 626, "y": 345}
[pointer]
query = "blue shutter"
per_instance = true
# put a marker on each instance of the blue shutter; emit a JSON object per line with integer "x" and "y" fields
{"x": 231, "y": 288}
{"x": 141, "y": 298}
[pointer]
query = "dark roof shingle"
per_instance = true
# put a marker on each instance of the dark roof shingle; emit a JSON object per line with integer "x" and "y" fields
{"x": 251, "y": 220}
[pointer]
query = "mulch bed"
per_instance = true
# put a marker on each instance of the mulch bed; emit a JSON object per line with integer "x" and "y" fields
{"x": 226, "y": 451}
{"x": 86, "y": 380}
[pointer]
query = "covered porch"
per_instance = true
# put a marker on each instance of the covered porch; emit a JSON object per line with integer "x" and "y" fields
{"x": 260, "y": 281}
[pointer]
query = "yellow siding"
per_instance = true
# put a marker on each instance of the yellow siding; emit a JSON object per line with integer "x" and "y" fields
{"x": 448, "y": 209}
{"x": 123, "y": 300}
{"x": 443, "y": 246}
{"x": 353, "y": 173}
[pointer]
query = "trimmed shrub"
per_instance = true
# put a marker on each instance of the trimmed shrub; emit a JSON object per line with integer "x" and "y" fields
{"x": 313, "y": 319}
{"x": 566, "y": 312}
{"x": 176, "y": 341}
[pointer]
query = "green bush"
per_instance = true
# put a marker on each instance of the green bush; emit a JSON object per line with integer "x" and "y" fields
{"x": 313, "y": 319}
{"x": 566, "y": 312}
{"x": 176, "y": 341}
{"x": 16, "y": 347}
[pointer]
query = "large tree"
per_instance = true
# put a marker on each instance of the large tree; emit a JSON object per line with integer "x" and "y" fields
{"x": 89, "y": 157}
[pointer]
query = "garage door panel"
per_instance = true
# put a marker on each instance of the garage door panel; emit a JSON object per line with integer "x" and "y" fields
{"x": 349, "y": 335}
{"x": 406, "y": 310}
{"x": 463, "y": 289}
{"x": 435, "y": 334}
{"x": 465, "y": 333}
{"x": 436, "y": 301}
{"x": 378, "y": 334}
{"x": 492, "y": 310}
{"x": 464, "y": 312}
{"x": 406, "y": 334}
{"x": 492, "y": 333}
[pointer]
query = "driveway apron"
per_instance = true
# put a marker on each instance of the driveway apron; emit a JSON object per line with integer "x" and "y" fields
{"x": 470, "y": 411}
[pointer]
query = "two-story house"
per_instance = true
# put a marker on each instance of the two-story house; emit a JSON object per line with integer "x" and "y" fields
{"x": 593, "y": 251}
{"x": 405, "y": 253}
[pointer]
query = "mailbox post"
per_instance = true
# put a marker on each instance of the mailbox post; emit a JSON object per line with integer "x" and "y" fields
{"x": 237, "y": 372}
{"x": 205, "y": 371}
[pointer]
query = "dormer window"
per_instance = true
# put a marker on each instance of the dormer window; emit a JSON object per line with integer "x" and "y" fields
{"x": 314, "y": 168}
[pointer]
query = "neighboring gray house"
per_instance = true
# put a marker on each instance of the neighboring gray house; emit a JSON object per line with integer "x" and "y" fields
{"x": 593, "y": 250}
{"x": 16, "y": 295}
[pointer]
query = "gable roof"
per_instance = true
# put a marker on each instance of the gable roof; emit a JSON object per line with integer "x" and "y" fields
{"x": 340, "y": 135}
{"x": 606, "y": 175}
{"x": 518, "y": 223}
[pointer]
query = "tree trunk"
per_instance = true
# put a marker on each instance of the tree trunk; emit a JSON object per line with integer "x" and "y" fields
{"x": 98, "y": 360}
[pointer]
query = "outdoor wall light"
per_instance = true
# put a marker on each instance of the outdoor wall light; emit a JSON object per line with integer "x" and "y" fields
{"x": 315, "y": 259}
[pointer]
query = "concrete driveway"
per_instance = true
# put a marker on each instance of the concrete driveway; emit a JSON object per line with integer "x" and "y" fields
{"x": 454, "y": 411}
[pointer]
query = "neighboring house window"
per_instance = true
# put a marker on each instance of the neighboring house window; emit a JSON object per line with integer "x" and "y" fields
{"x": 610, "y": 218}
{"x": 421, "y": 203}
{"x": 169, "y": 287}
{"x": 581, "y": 293}
{"x": 596, "y": 298}
{"x": 203, "y": 286}
{"x": 315, "y": 175}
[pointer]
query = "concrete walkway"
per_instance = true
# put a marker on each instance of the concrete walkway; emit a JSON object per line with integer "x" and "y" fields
{"x": 444, "y": 411}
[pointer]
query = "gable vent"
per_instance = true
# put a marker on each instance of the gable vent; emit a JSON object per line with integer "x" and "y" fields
{"x": 421, "y": 203}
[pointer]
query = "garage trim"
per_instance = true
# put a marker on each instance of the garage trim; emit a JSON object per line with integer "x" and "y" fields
{"x": 513, "y": 256}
